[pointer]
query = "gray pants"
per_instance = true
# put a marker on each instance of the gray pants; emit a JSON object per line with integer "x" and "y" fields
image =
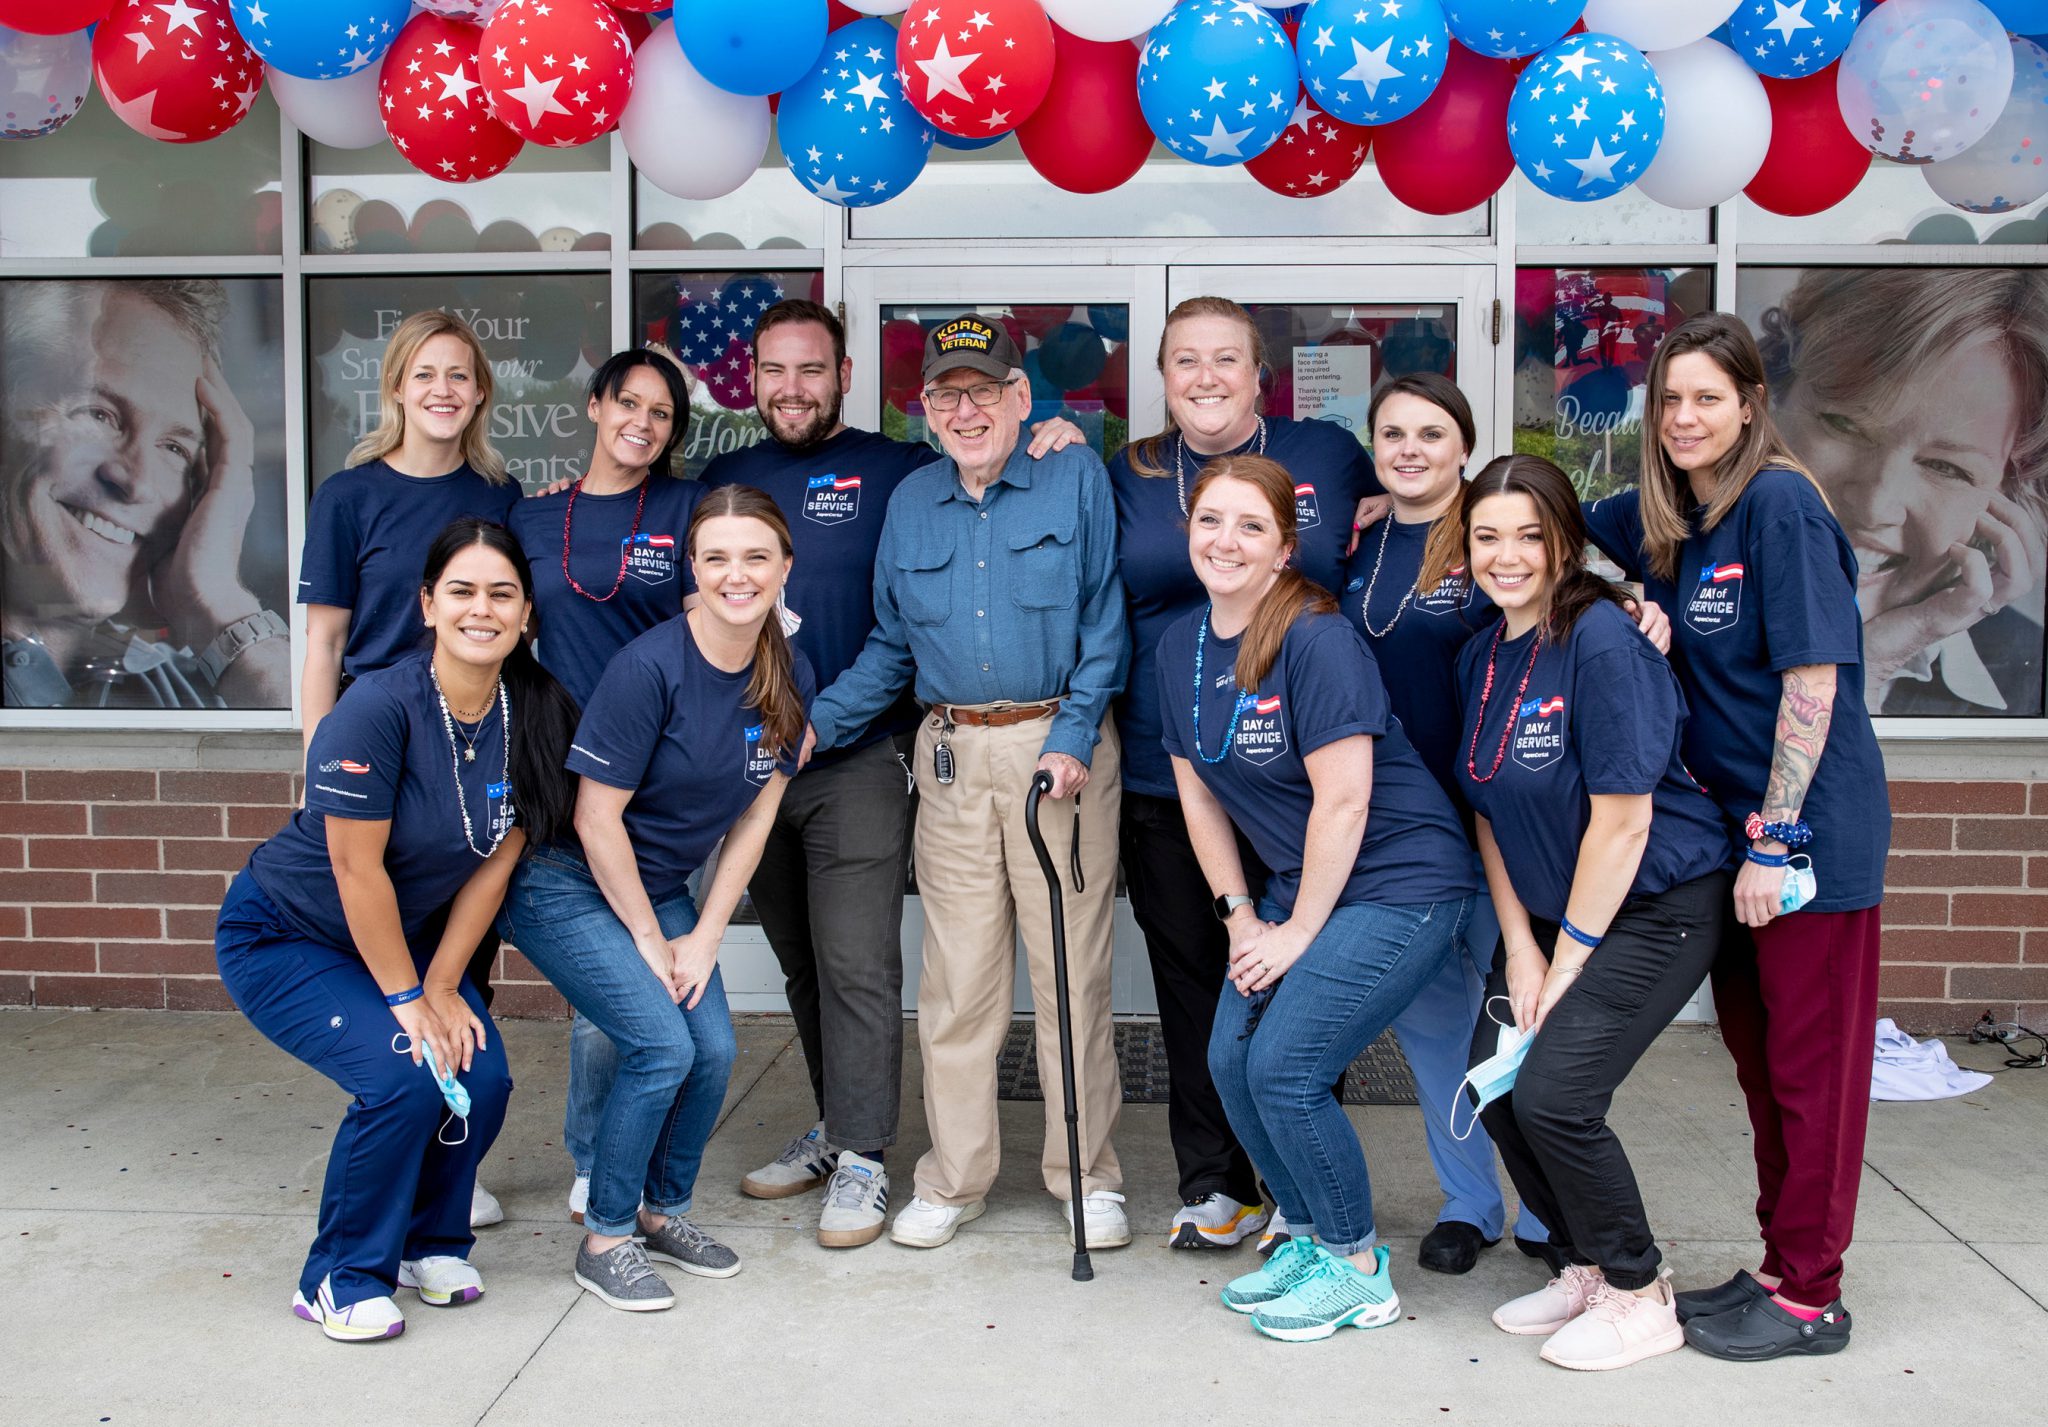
{"x": 829, "y": 892}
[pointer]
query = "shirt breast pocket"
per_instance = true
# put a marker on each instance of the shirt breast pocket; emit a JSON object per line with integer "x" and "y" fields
{"x": 1045, "y": 567}
{"x": 924, "y": 586}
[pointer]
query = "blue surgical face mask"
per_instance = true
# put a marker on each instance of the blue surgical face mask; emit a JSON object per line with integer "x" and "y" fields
{"x": 1494, "y": 1076}
{"x": 1799, "y": 887}
{"x": 452, "y": 1090}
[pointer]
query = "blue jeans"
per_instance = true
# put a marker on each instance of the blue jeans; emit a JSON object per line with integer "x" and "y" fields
{"x": 1276, "y": 1055}
{"x": 673, "y": 1064}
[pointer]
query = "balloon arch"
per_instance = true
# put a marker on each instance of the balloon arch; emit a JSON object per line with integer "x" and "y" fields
{"x": 1689, "y": 101}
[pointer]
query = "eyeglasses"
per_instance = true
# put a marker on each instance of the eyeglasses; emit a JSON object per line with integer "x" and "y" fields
{"x": 947, "y": 398}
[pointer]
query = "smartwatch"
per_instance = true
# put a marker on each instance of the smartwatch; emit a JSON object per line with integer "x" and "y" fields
{"x": 1225, "y": 905}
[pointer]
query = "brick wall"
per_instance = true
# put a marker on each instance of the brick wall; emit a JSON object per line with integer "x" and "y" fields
{"x": 110, "y": 879}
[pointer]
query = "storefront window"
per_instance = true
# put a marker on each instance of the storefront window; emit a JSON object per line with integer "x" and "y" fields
{"x": 1628, "y": 217}
{"x": 1893, "y": 204}
{"x": 142, "y": 493}
{"x": 373, "y": 201}
{"x": 770, "y": 210}
{"x": 1325, "y": 360}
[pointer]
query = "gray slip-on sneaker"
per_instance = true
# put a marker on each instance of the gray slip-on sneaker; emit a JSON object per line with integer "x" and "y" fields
{"x": 690, "y": 1249}
{"x": 623, "y": 1278}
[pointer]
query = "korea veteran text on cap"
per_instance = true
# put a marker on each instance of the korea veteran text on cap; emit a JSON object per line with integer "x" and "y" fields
{"x": 972, "y": 342}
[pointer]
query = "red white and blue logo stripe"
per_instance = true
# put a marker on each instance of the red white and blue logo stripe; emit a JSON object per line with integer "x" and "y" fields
{"x": 1712, "y": 574}
{"x": 1267, "y": 706}
{"x": 1541, "y": 708}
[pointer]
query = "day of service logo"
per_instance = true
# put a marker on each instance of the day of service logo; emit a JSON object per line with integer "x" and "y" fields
{"x": 828, "y": 500}
{"x": 759, "y": 767}
{"x": 1717, "y": 603}
{"x": 1306, "y": 512}
{"x": 1261, "y": 733}
{"x": 650, "y": 559}
{"x": 1539, "y": 731}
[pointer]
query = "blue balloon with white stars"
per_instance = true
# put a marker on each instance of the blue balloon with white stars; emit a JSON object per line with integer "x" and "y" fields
{"x": 1217, "y": 81}
{"x": 847, "y": 131}
{"x": 1789, "y": 38}
{"x": 1587, "y": 118}
{"x": 1507, "y": 29}
{"x": 1372, "y": 61}
{"x": 327, "y": 40}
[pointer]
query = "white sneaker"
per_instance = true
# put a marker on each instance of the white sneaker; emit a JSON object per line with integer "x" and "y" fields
{"x": 1108, "y": 1226}
{"x": 1215, "y": 1221}
{"x": 856, "y": 1203}
{"x": 579, "y": 1198}
{"x": 805, "y": 1163}
{"x": 924, "y": 1225}
{"x": 442, "y": 1279}
{"x": 365, "y": 1322}
{"x": 484, "y": 1208}
{"x": 1276, "y": 1234}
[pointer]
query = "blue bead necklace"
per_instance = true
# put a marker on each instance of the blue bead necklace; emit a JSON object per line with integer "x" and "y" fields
{"x": 1244, "y": 699}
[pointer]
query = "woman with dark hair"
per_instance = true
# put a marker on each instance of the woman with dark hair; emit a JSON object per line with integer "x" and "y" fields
{"x": 1730, "y": 530}
{"x": 1607, "y": 868}
{"x": 607, "y": 566}
{"x": 689, "y": 737}
{"x": 1370, "y": 890}
{"x": 423, "y": 785}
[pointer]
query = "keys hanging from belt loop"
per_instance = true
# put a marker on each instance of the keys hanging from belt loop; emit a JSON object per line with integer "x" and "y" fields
{"x": 1074, "y": 855}
{"x": 942, "y": 754}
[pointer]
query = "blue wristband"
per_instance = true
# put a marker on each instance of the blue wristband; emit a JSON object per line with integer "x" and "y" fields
{"x": 404, "y": 996}
{"x": 1585, "y": 939}
{"x": 1766, "y": 859}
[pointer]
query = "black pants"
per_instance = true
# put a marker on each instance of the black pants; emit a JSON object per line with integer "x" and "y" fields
{"x": 1190, "y": 952}
{"x": 480, "y": 963}
{"x": 1552, "y": 1128}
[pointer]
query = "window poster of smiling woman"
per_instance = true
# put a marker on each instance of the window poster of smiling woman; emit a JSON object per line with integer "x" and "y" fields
{"x": 142, "y": 494}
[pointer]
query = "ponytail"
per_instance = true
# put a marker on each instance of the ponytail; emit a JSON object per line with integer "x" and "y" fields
{"x": 1293, "y": 596}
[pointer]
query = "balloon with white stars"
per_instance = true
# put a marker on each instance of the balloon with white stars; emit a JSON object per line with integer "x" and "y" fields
{"x": 556, "y": 72}
{"x": 1317, "y": 154}
{"x": 1586, "y": 118}
{"x": 177, "y": 72}
{"x": 847, "y": 131}
{"x": 1508, "y": 29}
{"x": 1789, "y": 38}
{"x": 1217, "y": 80}
{"x": 321, "y": 39}
{"x": 1372, "y": 61}
{"x": 975, "y": 67}
{"x": 434, "y": 106}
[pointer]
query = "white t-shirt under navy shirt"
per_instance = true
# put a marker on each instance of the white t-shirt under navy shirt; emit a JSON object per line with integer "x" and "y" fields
{"x": 1601, "y": 714}
{"x": 674, "y": 729}
{"x": 1324, "y": 686}
{"x": 385, "y": 754}
{"x": 579, "y": 634}
{"x": 367, "y": 537}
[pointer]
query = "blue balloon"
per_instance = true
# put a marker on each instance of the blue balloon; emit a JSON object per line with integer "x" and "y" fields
{"x": 1072, "y": 356}
{"x": 1506, "y": 29}
{"x": 967, "y": 145}
{"x": 847, "y": 131}
{"x": 1372, "y": 63}
{"x": 700, "y": 329}
{"x": 1111, "y": 320}
{"x": 2021, "y": 15}
{"x": 321, "y": 39}
{"x": 1587, "y": 118}
{"x": 1788, "y": 38}
{"x": 752, "y": 46}
{"x": 746, "y": 296}
{"x": 1217, "y": 81}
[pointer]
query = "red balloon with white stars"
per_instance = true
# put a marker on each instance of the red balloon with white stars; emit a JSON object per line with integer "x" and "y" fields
{"x": 433, "y": 103}
{"x": 730, "y": 379}
{"x": 1315, "y": 153}
{"x": 179, "y": 72}
{"x": 557, "y": 71}
{"x": 975, "y": 68}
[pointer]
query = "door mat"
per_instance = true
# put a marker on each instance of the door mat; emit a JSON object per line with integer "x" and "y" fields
{"x": 1380, "y": 1076}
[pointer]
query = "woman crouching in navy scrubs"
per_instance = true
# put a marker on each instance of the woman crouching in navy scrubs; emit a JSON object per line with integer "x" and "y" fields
{"x": 423, "y": 784}
{"x": 1608, "y": 868}
{"x": 690, "y": 736}
{"x": 1276, "y": 721}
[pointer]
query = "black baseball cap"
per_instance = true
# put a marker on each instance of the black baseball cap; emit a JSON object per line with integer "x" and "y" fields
{"x": 974, "y": 342}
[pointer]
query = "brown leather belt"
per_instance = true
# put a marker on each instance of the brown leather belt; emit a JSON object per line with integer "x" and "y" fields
{"x": 997, "y": 718}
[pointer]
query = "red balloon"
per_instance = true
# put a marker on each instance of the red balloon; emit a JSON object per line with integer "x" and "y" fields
{"x": 902, "y": 355}
{"x": 642, "y": 7}
{"x": 1036, "y": 320}
{"x": 433, "y": 102}
{"x": 1315, "y": 154}
{"x": 1452, "y": 154}
{"x": 730, "y": 379}
{"x": 557, "y": 72}
{"x": 1814, "y": 162}
{"x": 52, "y": 17}
{"x": 637, "y": 26}
{"x": 181, "y": 74}
{"x": 837, "y": 14}
{"x": 975, "y": 67}
{"x": 1089, "y": 135}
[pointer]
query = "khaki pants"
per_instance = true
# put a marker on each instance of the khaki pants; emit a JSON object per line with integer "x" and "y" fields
{"x": 981, "y": 886}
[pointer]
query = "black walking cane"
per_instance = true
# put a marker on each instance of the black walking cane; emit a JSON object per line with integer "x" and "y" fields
{"x": 1041, "y": 784}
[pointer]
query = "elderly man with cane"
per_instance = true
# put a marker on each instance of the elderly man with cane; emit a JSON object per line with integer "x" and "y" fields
{"x": 995, "y": 581}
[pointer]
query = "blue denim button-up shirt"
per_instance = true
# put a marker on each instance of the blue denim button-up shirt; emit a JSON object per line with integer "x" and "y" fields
{"x": 1013, "y": 597}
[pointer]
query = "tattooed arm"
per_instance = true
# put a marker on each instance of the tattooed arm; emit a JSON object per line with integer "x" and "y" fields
{"x": 1805, "y": 710}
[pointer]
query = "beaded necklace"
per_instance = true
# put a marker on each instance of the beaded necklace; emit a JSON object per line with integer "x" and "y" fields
{"x": 455, "y": 757}
{"x": 625, "y": 546}
{"x": 1244, "y": 698}
{"x": 1507, "y": 727}
{"x": 1180, "y": 450}
{"x": 1365, "y": 605}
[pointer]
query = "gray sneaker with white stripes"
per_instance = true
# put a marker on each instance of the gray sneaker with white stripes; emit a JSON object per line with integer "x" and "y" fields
{"x": 856, "y": 1203}
{"x": 805, "y": 1163}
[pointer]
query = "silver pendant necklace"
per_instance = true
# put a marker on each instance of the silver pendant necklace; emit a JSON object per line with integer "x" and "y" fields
{"x": 1180, "y": 450}
{"x": 458, "y": 756}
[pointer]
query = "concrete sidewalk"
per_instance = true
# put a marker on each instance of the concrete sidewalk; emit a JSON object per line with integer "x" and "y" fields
{"x": 160, "y": 1171}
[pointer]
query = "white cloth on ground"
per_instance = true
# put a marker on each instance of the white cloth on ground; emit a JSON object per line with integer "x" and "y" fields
{"x": 1906, "y": 1069}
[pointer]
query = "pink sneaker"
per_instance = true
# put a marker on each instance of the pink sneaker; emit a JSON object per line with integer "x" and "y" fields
{"x": 1550, "y": 1307}
{"x": 1618, "y": 1328}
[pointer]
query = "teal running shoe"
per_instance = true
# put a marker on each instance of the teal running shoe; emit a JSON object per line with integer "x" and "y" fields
{"x": 1271, "y": 1280}
{"x": 1333, "y": 1294}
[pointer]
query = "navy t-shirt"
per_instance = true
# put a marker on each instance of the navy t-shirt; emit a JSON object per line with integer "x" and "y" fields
{"x": 367, "y": 537}
{"x": 1323, "y": 686}
{"x": 672, "y": 727}
{"x": 1332, "y": 473}
{"x": 834, "y": 498}
{"x": 384, "y": 753}
{"x": 1602, "y": 713}
{"x": 1772, "y": 587}
{"x": 578, "y": 633}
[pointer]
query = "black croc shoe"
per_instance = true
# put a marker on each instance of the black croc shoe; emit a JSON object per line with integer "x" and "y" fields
{"x": 1453, "y": 1247}
{"x": 1551, "y": 1255}
{"x": 1706, "y": 1302}
{"x": 1761, "y": 1330}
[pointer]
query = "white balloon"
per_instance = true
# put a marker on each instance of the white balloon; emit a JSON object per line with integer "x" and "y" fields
{"x": 879, "y": 7}
{"x": 43, "y": 81}
{"x": 340, "y": 113}
{"x": 474, "y": 11}
{"x": 1105, "y": 20}
{"x": 2008, "y": 167}
{"x": 1717, "y": 126}
{"x": 689, "y": 137}
{"x": 1657, "y": 24}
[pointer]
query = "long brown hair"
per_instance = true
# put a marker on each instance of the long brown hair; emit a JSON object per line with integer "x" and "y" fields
{"x": 1666, "y": 492}
{"x": 1574, "y": 589}
{"x": 389, "y": 432}
{"x": 1293, "y": 594}
{"x": 772, "y": 692}
{"x": 1148, "y": 453}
